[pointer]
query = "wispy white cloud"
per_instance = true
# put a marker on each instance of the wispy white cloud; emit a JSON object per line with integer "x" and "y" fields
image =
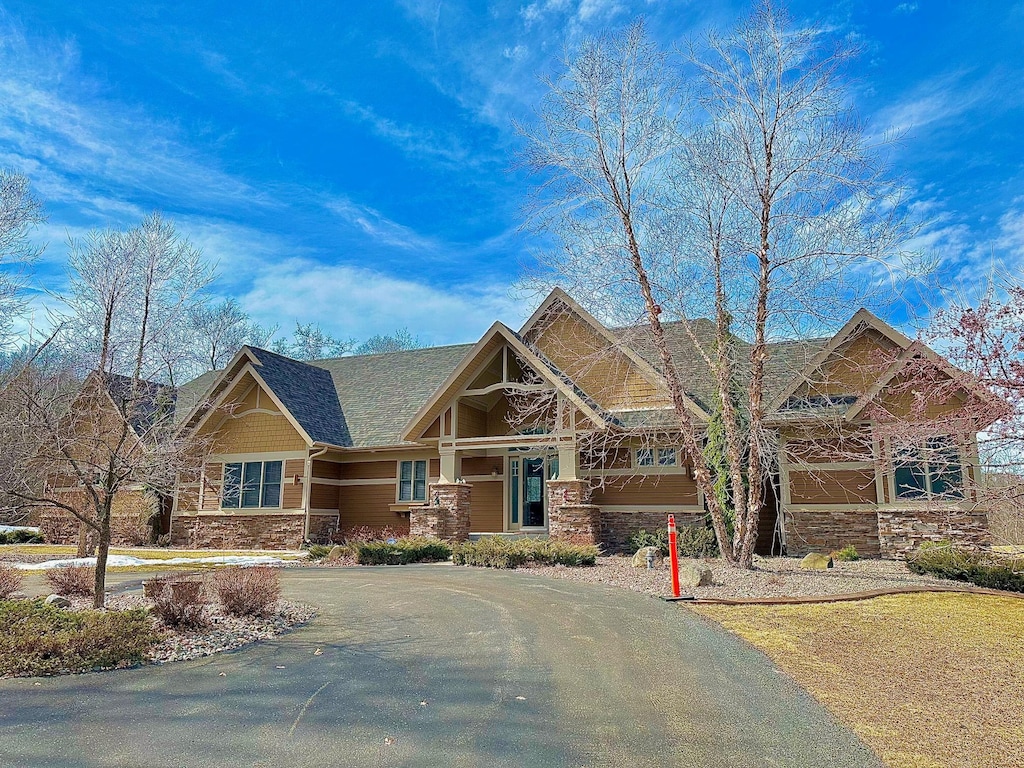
{"x": 363, "y": 302}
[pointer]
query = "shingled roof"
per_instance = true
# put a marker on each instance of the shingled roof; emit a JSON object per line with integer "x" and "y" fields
{"x": 365, "y": 401}
{"x": 378, "y": 394}
{"x": 146, "y": 403}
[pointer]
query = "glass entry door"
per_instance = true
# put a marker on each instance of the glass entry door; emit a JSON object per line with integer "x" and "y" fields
{"x": 527, "y": 496}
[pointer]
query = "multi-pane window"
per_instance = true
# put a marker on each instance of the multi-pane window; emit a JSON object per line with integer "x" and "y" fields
{"x": 661, "y": 457}
{"x": 412, "y": 481}
{"x": 251, "y": 485}
{"x": 933, "y": 470}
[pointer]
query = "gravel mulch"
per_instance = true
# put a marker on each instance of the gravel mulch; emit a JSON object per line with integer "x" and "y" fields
{"x": 771, "y": 577}
{"x": 224, "y": 633}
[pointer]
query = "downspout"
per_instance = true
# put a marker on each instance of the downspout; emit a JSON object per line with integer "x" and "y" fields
{"x": 307, "y": 485}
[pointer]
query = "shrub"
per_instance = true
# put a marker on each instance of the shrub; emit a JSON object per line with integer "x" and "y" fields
{"x": 644, "y": 538}
{"x": 10, "y": 580}
{"x": 247, "y": 591}
{"x": 696, "y": 542}
{"x": 21, "y": 536}
{"x": 368, "y": 533}
{"x": 72, "y": 580}
{"x": 947, "y": 561}
{"x": 691, "y": 541}
{"x": 847, "y": 554}
{"x": 410, "y": 549}
{"x": 502, "y": 552}
{"x": 184, "y": 608}
{"x": 319, "y": 551}
{"x": 39, "y": 639}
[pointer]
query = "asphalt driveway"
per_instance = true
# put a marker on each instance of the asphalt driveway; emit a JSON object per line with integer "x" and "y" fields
{"x": 441, "y": 666}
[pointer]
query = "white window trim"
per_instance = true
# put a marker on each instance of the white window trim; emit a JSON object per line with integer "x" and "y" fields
{"x": 412, "y": 481}
{"x": 655, "y": 451}
{"x": 262, "y": 462}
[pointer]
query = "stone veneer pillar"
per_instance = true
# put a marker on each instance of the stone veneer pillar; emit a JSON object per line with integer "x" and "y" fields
{"x": 571, "y": 516}
{"x": 446, "y": 513}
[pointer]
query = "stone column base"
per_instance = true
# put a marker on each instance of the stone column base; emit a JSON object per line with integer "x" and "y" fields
{"x": 575, "y": 523}
{"x": 446, "y": 514}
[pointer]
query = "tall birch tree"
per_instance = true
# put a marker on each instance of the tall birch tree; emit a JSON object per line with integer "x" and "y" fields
{"x": 733, "y": 182}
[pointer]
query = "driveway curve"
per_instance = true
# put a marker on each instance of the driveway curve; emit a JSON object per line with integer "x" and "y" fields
{"x": 441, "y": 666}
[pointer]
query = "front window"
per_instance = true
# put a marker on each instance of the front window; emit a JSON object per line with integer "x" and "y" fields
{"x": 656, "y": 457}
{"x": 412, "y": 481}
{"x": 251, "y": 485}
{"x": 930, "y": 471}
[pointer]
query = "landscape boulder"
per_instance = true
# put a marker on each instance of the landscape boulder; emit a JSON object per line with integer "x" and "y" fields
{"x": 640, "y": 558}
{"x": 816, "y": 562}
{"x": 337, "y": 552}
{"x": 58, "y": 602}
{"x": 694, "y": 575}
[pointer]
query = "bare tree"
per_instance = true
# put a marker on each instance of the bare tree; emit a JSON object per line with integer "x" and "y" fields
{"x": 216, "y": 333}
{"x": 399, "y": 341}
{"x": 311, "y": 342}
{"x": 752, "y": 197}
{"x": 20, "y": 212}
{"x": 114, "y": 435}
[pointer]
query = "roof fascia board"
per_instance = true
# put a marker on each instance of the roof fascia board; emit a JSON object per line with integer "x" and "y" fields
{"x": 648, "y": 370}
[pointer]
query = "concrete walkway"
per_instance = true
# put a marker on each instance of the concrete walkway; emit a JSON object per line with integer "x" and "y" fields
{"x": 441, "y": 666}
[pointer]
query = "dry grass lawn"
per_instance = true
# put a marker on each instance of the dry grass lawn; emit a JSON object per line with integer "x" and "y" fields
{"x": 926, "y": 680}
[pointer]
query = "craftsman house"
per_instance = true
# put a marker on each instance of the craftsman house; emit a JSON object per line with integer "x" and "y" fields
{"x": 442, "y": 441}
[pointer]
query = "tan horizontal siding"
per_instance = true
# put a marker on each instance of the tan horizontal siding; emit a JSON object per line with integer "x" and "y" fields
{"x": 662, "y": 490}
{"x": 369, "y": 505}
{"x": 369, "y": 470}
{"x": 472, "y": 422}
{"x": 487, "y": 512}
{"x": 328, "y": 470}
{"x": 482, "y": 465}
{"x": 848, "y": 486}
{"x": 323, "y": 496}
{"x": 291, "y": 493}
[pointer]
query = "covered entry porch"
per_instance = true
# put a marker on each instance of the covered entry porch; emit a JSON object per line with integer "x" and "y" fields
{"x": 504, "y": 468}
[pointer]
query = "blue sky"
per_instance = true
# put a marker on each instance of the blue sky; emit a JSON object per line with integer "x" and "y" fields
{"x": 353, "y": 163}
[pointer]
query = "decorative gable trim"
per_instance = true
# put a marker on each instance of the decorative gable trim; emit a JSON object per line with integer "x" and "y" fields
{"x": 245, "y": 361}
{"x": 862, "y": 320}
{"x": 646, "y": 370}
{"x": 425, "y": 416}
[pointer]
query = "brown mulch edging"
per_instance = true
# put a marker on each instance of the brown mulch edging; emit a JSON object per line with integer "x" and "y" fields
{"x": 849, "y": 597}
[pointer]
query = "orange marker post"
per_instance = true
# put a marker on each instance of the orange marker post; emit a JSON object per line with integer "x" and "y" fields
{"x": 673, "y": 554}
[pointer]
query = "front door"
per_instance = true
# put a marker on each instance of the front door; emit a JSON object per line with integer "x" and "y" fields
{"x": 527, "y": 497}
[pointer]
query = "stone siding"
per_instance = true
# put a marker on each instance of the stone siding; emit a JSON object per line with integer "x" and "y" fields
{"x": 828, "y": 530}
{"x": 128, "y": 519}
{"x": 576, "y": 523}
{"x": 446, "y": 516}
{"x": 618, "y": 525}
{"x": 322, "y": 526}
{"x": 903, "y": 531}
{"x": 238, "y": 531}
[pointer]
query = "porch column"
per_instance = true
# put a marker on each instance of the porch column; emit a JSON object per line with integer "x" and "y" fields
{"x": 571, "y": 516}
{"x": 568, "y": 461}
{"x": 446, "y": 513}
{"x": 449, "y": 466}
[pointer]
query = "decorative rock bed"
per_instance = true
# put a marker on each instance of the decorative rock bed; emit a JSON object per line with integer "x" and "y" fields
{"x": 771, "y": 577}
{"x": 224, "y": 632}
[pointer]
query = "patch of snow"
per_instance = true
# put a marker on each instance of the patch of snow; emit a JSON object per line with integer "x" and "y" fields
{"x": 13, "y": 528}
{"x": 122, "y": 561}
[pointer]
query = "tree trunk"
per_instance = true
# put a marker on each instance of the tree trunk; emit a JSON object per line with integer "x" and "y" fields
{"x": 101, "y": 556}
